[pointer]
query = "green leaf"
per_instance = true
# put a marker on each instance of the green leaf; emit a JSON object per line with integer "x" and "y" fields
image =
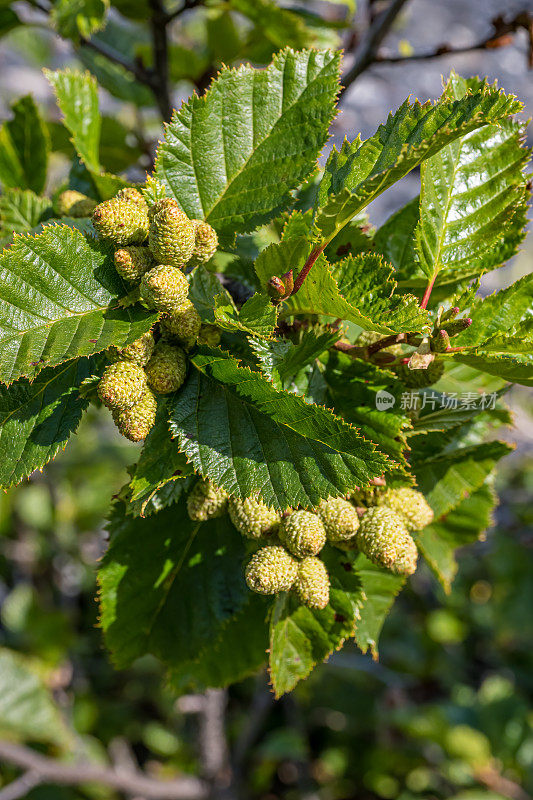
{"x": 160, "y": 462}
{"x": 354, "y": 386}
{"x": 282, "y": 360}
{"x": 301, "y": 637}
{"x": 238, "y": 651}
{"x": 471, "y": 191}
{"x": 233, "y": 156}
{"x": 250, "y": 438}
{"x": 59, "y": 299}
{"x": 501, "y": 311}
{"x": 360, "y": 171}
{"x": 37, "y": 418}
{"x": 205, "y": 292}
{"x": 21, "y": 210}
{"x": 257, "y": 317}
{"x": 27, "y": 709}
{"x": 24, "y": 145}
{"x": 447, "y": 478}
{"x": 358, "y": 289}
{"x": 380, "y": 588}
{"x": 79, "y": 19}
{"x": 169, "y": 586}
{"x": 395, "y": 240}
{"x": 513, "y": 368}
{"x": 463, "y": 525}
{"x": 77, "y": 96}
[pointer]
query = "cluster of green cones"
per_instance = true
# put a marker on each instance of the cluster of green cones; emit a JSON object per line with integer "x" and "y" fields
{"x": 155, "y": 243}
{"x": 377, "y": 521}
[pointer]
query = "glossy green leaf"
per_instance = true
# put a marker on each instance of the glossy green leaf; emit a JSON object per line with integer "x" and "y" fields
{"x": 206, "y": 292}
{"x": 501, "y": 311}
{"x": 38, "y": 417}
{"x": 169, "y": 586}
{"x": 360, "y": 171}
{"x": 514, "y": 368}
{"x": 250, "y": 438}
{"x": 463, "y": 525}
{"x": 59, "y": 299}
{"x": 470, "y": 193}
{"x": 24, "y": 145}
{"x": 233, "y": 156}
{"x": 27, "y": 708}
{"x": 395, "y": 240}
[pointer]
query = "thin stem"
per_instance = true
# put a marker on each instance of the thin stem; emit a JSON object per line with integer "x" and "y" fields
{"x": 135, "y": 67}
{"x": 501, "y": 36}
{"x": 306, "y": 269}
{"x": 427, "y": 293}
{"x": 21, "y": 786}
{"x": 368, "y": 52}
{"x": 50, "y": 771}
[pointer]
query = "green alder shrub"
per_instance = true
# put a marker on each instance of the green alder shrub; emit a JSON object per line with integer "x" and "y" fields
{"x": 317, "y": 397}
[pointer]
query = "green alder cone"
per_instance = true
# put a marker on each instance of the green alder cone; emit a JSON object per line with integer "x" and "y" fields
{"x": 385, "y": 540}
{"x": 440, "y": 342}
{"x": 132, "y": 195}
{"x": 140, "y": 351}
{"x": 271, "y": 570}
{"x": 132, "y": 262}
{"x": 206, "y": 501}
{"x": 164, "y": 288}
{"x": 122, "y": 385}
{"x": 209, "y": 335}
{"x": 166, "y": 370}
{"x": 183, "y": 324}
{"x": 135, "y": 423}
{"x": 121, "y": 220}
{"x": 205, "y": 242}
{"x": 312, "y": 583}
{"x": 253, "y": 518}
{"x": 303, "y": 534}
{"x": 75, "y": 204}
{"x": 419, "y": 378}
{"x": 340, "y": 519}
{"x": 172, "y": 236}
{"x": 162, "y": 204}
{"x": 410, "y": 505}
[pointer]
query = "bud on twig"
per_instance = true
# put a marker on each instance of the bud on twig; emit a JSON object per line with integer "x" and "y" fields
{"x": 458, "y": 325}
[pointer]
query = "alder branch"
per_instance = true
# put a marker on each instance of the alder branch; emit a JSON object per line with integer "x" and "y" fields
{"x": 160, "y": 84}
{"x": 188, "y": 4}
{"x": 370, "y": 46}
{"x": 501, "y": 36}
{"x": 51, "y": 771}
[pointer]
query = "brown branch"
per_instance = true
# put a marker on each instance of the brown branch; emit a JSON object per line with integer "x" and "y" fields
{"x": 501, "y": 36}
{"x": 50, "y": 771}
{"x": 136, "y": 68}
{"x": 370, "y": 46}
{"x": 160, "y": 86}
{"x": 21, "y": 786}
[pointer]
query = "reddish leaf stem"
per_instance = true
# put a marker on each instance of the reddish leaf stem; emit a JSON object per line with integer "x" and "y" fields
{"x": 306, "y": 269}
{"x": 427, "y": 293}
